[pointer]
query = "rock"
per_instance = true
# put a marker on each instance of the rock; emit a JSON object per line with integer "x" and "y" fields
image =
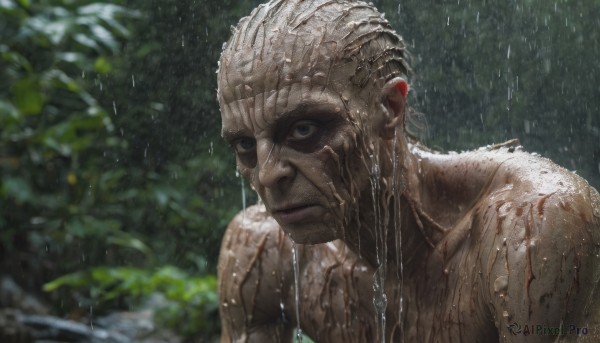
{"x": 53, "y": 328}
{"x": 13, "y": 296}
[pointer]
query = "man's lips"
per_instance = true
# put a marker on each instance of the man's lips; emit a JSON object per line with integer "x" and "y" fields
{"x": 293, "y": 213}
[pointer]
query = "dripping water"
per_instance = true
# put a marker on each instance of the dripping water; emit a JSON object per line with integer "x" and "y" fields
{"x": 397, "y": 189}
{"x": 243, "y": 194}
{"x": 296, "y": 290}
{"x": 379, "y": 296}
{"x": 243, "y": 187}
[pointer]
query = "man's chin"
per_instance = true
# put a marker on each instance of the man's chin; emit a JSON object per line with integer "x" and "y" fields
{"x": 310, "y": 233}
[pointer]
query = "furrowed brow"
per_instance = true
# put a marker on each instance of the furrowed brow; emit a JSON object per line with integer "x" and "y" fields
{"x": 231, "y": 135}
{"x": 303, "y": 111}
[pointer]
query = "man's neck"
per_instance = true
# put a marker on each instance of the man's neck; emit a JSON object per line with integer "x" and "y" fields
{"x": 394, "y": 233}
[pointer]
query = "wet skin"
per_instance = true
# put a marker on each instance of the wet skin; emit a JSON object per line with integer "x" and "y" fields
{"x": 489, "y": 238}
{"x": 525, "y": 252}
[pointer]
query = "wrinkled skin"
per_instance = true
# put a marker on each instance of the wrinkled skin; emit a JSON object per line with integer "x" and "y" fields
{"x": 489, "y": 238}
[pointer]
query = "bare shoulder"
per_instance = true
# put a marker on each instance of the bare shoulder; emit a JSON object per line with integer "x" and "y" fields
{"x": 542, "y": 223}
{"x": 254, "y": 272}
{"x": 554, "y": 201}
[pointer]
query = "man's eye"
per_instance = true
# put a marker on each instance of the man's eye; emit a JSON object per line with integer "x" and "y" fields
{"x": 303, "y": 130}
{"x": 244, "y": 145}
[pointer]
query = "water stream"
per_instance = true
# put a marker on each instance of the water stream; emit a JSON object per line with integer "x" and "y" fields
{"x": 397, "y": 190}
{"x": 243, "y": 191}
{"x": 379, "y": 296}
{"x": 296, "y": 290}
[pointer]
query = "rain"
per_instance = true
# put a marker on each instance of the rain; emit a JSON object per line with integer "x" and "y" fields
{"x": 114, "y": 235}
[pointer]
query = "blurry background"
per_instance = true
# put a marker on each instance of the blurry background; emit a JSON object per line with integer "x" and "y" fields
{"x": 115, "y": 187}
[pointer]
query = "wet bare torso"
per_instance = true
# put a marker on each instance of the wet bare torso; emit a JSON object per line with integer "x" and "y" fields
{"x": 515, "y": 241}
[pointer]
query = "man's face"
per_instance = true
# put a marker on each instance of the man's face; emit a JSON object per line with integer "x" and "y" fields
{"x": 300, "y": 145}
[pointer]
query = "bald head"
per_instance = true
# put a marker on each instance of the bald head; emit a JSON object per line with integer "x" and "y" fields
{"x": 312, "y": 94}
{"x": 285, "y": 41}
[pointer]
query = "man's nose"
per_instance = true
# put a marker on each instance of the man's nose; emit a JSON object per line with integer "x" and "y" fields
{"x": 273, "y": 169}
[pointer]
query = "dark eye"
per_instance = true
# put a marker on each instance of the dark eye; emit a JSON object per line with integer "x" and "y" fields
{"x": 303, "y": 130}
{"x": 244, "y": 145}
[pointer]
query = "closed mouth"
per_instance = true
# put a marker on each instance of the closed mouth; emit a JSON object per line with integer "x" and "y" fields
{"x": 294, "y": 214}
{"x": 292, "y": 209}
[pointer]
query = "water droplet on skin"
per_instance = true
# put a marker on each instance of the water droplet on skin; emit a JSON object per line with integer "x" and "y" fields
{"x": 501, "y": 283}
{"x": 282, "y": 307}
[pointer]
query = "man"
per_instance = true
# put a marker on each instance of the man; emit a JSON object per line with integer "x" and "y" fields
{"x": 396, "y": 243}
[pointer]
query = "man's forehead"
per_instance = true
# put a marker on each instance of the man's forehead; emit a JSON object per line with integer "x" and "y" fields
{"x": 291, "y": 101}
{"x": 271, "y": 67}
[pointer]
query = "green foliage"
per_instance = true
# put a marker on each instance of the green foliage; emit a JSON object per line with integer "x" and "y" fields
{"x": 52, "y": 127}
{"x": 102, "y": 169}
{"x": 191, "y": 302}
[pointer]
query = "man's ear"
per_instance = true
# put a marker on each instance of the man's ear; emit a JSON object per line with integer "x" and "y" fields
{"x": 393, "y": 99}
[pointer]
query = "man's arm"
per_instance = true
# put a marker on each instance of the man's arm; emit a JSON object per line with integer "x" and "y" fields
{"x": 544, "y": 281}
{"x": 253, "y": 279}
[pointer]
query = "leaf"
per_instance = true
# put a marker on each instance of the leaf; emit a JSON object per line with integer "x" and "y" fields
{"x": 128, "y": 241}
{"x": 17, "y": 188}
{"x": 73, "y": 280}
{"x": 7, "y": 110}
{"x": 24, "y": 3}
{"x": 87, "y": 42}
{"x": 108, "y": 13}
{"x": 77, "y": 58}
{"x": 103, "y": 10}
{"x": 27, "y": 96}
{"x": 15, "y": 58}
{"x": 57, "y": 30}
{"x": 102, "y": 66}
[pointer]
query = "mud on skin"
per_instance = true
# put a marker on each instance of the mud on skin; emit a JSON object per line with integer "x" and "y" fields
{"x": 313, "y": 103}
